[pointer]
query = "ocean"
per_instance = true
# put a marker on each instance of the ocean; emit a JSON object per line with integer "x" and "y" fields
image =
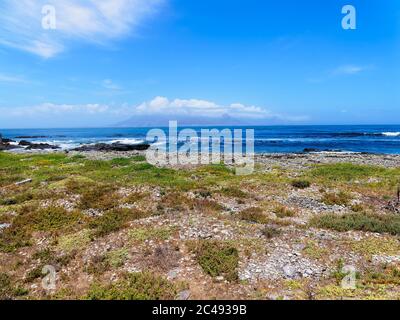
{"x": 384, "y": 139}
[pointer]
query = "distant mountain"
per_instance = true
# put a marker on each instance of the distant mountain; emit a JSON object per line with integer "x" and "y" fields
{"x": 190, "y": 121}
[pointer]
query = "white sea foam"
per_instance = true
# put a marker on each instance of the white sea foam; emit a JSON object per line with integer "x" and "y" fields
{"x": 391, "y": 134}
{"x": 127, "y": 141}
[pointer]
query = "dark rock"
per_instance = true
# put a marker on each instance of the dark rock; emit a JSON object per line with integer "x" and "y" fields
{"x": 37, "y": 146}
{"x": 24, "y": 143}
{"x": 42, "y": 146}
{"x": 6, "y": 147}
{"x": 5, "y": 144}
{"x": 308, "y": 150}
{"x": 119, "y": 147}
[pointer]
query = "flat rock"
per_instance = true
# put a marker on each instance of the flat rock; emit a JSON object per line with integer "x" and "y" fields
{"x": 120, "y": 147}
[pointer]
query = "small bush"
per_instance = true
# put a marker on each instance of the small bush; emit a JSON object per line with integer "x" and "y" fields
{"x": 117, "y": 258}
{"x": 301, "y": 184}
{"x": 136, "y": 286}
{"x": 340, "y": 199}
{"x": 270, "y": 232}
{"x": 358, "y": 221}
{"x": 98, "y": 265}
{"x": 115, "y": 220}
{"x": 234, "y": 192}
{"x": 155, "y": 234}
{"x": 74, "y": 241}
{"x": 99, "y": 197}
{"x": 254, "y": 215}
{"x": 283, "y": 212}
{"x": 6, "y": 291}
{"x": 217, "y": 259}
{"x": 55, "y": 219}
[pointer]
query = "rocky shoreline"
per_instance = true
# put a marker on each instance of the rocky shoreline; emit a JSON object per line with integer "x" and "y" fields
{"x": 103, "y": 151}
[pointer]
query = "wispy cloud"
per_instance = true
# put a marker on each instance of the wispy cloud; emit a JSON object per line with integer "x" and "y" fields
{"x": 110, "y": 85}
{"x": 349, "y": 69}
{"x": 96, "y": 21}
{"x": 57, "y": 109}
{"x": 11, "y": 78}
{"x": 343, "y": 70}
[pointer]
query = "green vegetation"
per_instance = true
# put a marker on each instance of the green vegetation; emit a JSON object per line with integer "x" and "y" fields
{"x": 283, "y": 212}
{"x": 117, "y": 258}
{"x": 217, "y": 258}
{"x": 254, "y": 215}
{"x": 270, "y": 232}
{"x": 344, "y": 172}
{"x": 115, "y": 220}
{"x": 6, "y": 290}
{"x": 340, "y": 199}
{"x": 358, "y": 221}
{"x": 143, "y": 234}
{"x": 33, "y": 218}
{"x": 315, "y": 251}
{"x": 75, "y": 241}
{"x": 136, "y": 286}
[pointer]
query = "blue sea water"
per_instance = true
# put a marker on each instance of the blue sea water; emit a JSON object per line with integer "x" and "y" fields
{"x": 268, "y": 139}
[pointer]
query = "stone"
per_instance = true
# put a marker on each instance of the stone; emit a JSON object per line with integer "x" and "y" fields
{"x": 119, "y": 147}
{"x": 289, "y": 271}
{"x": 184, "y": 295}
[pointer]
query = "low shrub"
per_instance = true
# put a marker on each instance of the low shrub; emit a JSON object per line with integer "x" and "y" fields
{"x": 340, "y": 199}
{"x": 254, "y": 215}
{"x": 217, "y": 258}
{"x": 283, "y": 212}
{"x": 301, "y": 184}
{"x": 135, "y": 286}
{"x": 270, "y": 232}
{"x": 359, "y": 221}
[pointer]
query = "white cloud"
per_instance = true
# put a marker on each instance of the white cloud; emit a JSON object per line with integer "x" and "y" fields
{"x": 204, "y": 108}
{"x": 96, "y": 21}
{"x": 155, "y": 107}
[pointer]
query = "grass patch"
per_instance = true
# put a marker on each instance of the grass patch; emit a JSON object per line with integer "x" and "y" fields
{"x": 376, "y": 246}
{"x": 345, "y": 172}
{"x": 99, "y": 197}
{"x": 340, "y": 199}
{"x": 117, "y": 258}
{"x": 234, "y": 192}
{"x": 74, "y": 241}
{"x": 217, "y": 258}
{"x": 136, "y": 286}
{"x": 253, "y": 215}
{"x": 283, "y": 212}
{"x": 115, "y": 220}
{"x": 32, "y": 218}
{"x": 270, "y": 232}
{"x": 315, "y": 251}
{"x": 144, "y": 234}
{"x": 359, "y": 221}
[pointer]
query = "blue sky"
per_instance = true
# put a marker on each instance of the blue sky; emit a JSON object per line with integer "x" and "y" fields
{"x": 288, "y": 61}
